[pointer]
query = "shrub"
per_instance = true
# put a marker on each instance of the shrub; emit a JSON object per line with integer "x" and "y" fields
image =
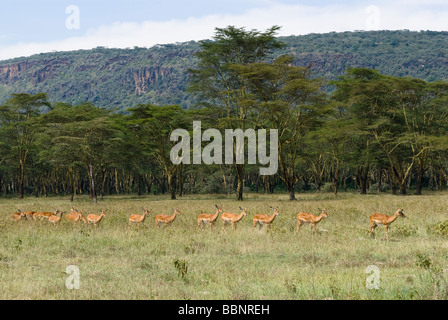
{"x": 440, "y": 228}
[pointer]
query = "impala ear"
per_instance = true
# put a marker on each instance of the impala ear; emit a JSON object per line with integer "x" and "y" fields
{"x": 216, "y": 206}
{"x": 241, "y": 208}
{"x": 319, "y": 209}
{"x": 271, "y": 208}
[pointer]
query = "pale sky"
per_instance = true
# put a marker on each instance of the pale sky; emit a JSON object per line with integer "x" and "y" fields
{"x": 31, "y": 27}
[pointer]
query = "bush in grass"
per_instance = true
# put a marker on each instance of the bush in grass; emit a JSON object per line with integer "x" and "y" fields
{"x": 440, "y": 228}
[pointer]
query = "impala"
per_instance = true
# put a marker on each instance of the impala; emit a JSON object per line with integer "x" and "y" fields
{"x": 44, "y": 215}
{"x": 265, "y": 219}
{"x": 29, "y": 215}
{"x": 166, "y": 219}
{"x": 377, "y": 219}
{"x": 304, "y": 217}
{"x": 205, "y": 218}
{"x": 75, "y": 215}
{"x": 232, "y": 218}
{"x": 96, "y": 219}
{"x": 139, "y": 219}
{"x": 16, "y": 216}
{"x": 54, "y": 219}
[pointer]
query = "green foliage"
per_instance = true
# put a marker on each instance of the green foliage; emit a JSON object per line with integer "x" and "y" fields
{"x": 119, "y": 79}
{"x": 440, "y": 228}
{"x": 181, "y": 267}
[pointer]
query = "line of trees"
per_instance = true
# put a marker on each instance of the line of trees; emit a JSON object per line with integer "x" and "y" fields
{"x": 373, "y": 131}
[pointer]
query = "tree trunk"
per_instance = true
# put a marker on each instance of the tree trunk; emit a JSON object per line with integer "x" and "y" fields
{"x": 170, "y": 177}
{"x": 240, "y": 185}
{"x": 71, "y": 184}
{"x": 336, "y": 178}
{"x": 21, "y": 178}
{"x": 92, "y": 184}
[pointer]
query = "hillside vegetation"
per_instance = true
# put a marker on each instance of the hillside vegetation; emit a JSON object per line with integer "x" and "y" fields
{"x": 122, "y": 78}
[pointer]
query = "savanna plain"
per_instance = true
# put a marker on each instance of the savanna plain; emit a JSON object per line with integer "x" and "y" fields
{"x": 180, "y": 262}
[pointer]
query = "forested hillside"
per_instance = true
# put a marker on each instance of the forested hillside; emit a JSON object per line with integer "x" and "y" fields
{"x": 122, "y": 78}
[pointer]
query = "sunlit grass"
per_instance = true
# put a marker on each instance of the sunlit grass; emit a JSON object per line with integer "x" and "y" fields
{"x": 118, "y": 262}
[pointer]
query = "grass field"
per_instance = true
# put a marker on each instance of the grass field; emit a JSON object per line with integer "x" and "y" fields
{"x": 148, "y": 263}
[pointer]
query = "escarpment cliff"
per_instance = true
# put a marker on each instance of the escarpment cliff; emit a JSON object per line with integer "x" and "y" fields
{"x": 123, "y": 78}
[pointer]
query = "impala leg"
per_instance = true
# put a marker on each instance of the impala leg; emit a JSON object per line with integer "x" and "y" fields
{"x": 314, "y": 228}
{"x": 387, "y": 236}
{"x": 373, "y": 230}
{"x": 255, "y": 223}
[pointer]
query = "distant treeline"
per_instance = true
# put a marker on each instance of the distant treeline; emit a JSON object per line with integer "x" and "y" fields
{"x": 373, "y": 132}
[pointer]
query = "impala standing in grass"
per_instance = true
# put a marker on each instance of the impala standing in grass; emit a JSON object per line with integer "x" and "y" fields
{"x": 56, "y": 218}
{"x": 138, "y": 219}
{"x": 232, "y": 218}
{"x": 16, "y": 216}
{"x": 166, "y": 219}
{"x": 75, "y": 215}
{"x": 308, "y": 218}
{"x": 205, "y": 218}
{"x": 377, "y": 219}
{"x": 44, "y": 215}
{"x": 96, "y": 219}
{"x": 265, "y": 219}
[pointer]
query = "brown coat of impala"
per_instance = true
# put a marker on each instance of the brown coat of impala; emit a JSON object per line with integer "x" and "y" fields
{"x": 377, "y": 219}
{"x": 44, "y": 215}
{"x": 138, "y": 218}
{"x": 29, "y": 215}
{"x": 56, "y": 218}
{"x": 16, "y": 216}
{"x": 266, "y": 219}
{"x": 166, "y": 219}
{"x": 232, "y": 218}
{"x": 96, "y": 219}
{"x": 308, "y": 218}
{"x": 75, "y": 215}
{"x": 205, "y": 218}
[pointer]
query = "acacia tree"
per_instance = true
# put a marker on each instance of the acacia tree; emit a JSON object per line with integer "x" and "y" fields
{"x": 216, "y": 83}
{"x": 286, "y": 99}
{"x": 79, "y": 135}
{"x": 18, "y": 127}
{"x": 152, "y": 127}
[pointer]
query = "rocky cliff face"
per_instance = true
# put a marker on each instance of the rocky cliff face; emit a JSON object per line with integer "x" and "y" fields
{"x": 10, "y": 73}
{"x": 147, "y": 77}
{"x": 122, "y": 78}
{"x": 118, "y": 78}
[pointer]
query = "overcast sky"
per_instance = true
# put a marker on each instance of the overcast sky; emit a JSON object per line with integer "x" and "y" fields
{"x": 30, "y": 27}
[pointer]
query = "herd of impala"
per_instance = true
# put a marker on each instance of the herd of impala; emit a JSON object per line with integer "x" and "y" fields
{"x": 76, "y": 215}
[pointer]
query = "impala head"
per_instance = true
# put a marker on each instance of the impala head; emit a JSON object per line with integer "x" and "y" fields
{"x": 400, "y": 213}
{"x": 176, "y": 211}
{"x": 82, "y": 216}
{"x": 243, "y": 211}
{"x": 103, "y": 212}
{"x": 323, "y": 212}
{"x": 275, "y": 210}
{"x": 219, "y": 208}
{"x": 146, "y": 211}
